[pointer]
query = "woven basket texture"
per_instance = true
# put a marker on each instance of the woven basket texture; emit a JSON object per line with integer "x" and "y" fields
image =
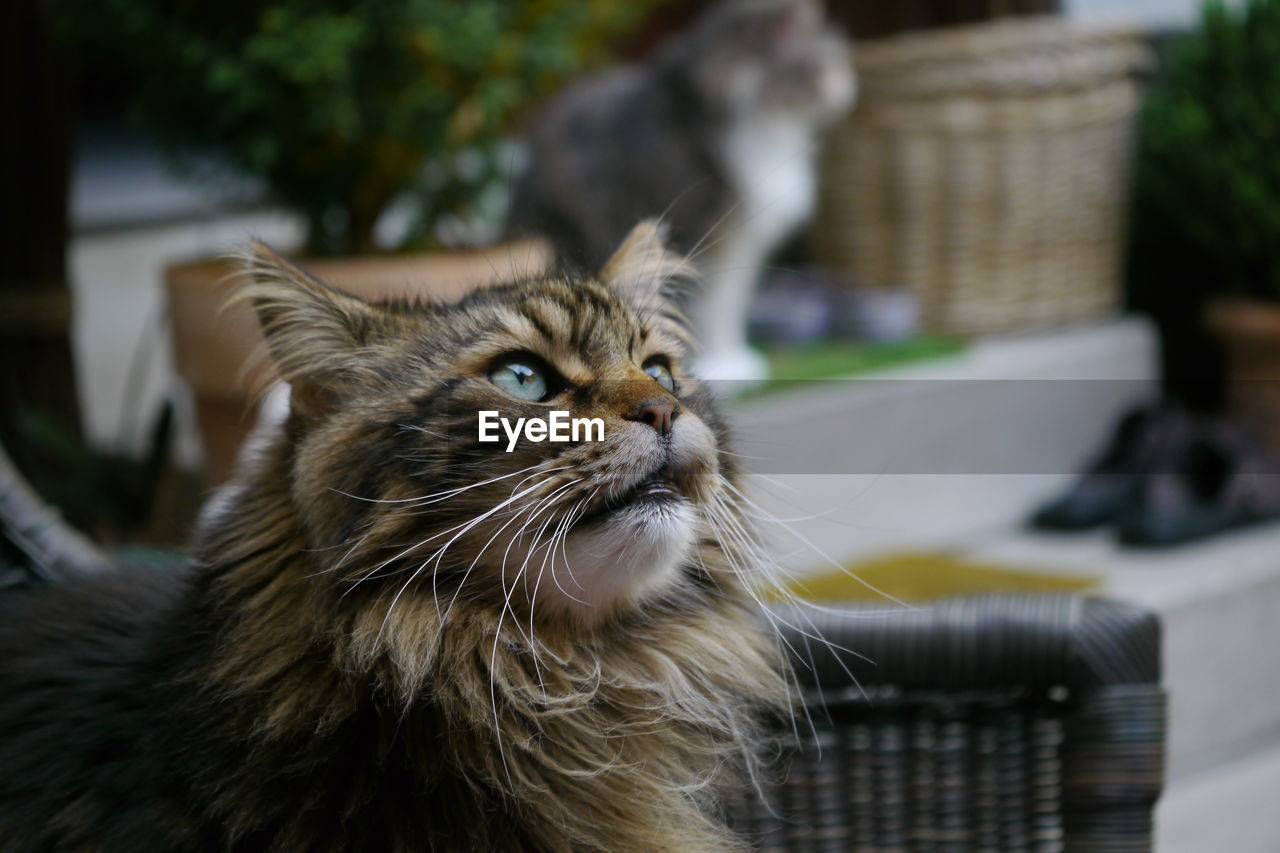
{"x": 986, "y": 169}
{"x": 999, "y": 723}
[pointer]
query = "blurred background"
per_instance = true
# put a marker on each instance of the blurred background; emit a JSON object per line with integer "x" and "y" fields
{"x": 1027, "y": 338}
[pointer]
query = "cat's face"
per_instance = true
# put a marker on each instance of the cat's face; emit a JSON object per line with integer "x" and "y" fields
{"x": 771, "y": 56}
{"x": 396, "y": 491}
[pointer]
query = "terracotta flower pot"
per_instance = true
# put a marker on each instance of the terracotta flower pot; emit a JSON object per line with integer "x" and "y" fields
{"x": 1250, "y": 334}
{"x": 214, "y": 349}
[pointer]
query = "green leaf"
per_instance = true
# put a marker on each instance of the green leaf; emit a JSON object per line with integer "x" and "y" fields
{"x": 320, "y": 100}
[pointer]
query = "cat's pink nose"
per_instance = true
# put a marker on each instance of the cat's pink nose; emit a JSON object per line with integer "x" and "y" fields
{"x": 657, "y": 413}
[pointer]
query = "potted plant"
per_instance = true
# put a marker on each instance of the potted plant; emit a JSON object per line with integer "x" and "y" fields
{"x": 341, "y": 110}
{"x": 1209, "y": 184}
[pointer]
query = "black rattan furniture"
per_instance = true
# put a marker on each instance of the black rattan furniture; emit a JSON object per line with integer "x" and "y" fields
{"x": 35, "y": 543}
{"x": 989, "y": 723}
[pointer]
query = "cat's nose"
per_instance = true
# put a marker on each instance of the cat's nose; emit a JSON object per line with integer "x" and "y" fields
{"x": 657, "y": 412}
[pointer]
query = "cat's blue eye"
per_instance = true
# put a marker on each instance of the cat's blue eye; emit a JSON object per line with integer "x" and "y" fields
{"x": 522, "y": 379}
{"x": 657, "y": 368}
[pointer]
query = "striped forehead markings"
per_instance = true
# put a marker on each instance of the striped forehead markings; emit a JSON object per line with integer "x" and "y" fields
{"x": 584, "y": 315}
{"x": 540, "y": 323}
{"x": 576, "y": 326}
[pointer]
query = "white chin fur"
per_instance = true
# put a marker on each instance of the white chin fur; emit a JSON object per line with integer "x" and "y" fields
{"x": 626, "y": 558}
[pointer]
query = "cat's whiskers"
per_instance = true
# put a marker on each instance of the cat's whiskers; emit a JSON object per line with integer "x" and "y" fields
{"x": 545, "y": 503}
{"x": 844, "y": 570}
{"x": 728, "y": 517}
{"x": 493, "y": 656}
{"x": 561, "y": 534}
{"x": 424, "y": 431}
{"x": 585, "y": 505}
{"x": 514, "y": 517}
{"x": 436, "y": 497}
{"x": 376, "y": 571}
{"x": 757, "y": 557}
{"x": 732, "y": 511}
{"x": 520, "y": 533}
{"x": 536, "y": 509}
{"x": 567, "y": 522}
{"x": 439, "y": 555}
{"x": 567, "y": 518}
{"x": 790, "y": 678}
{"x": 529, "y": 556}
{"x": 408, "y": 550}
{"x": 561, "y": 531}
{"x": 363, "y": 539}
{"x": 571, "y": 518}
{"x": 522, "y": 577}
{"x": 443, "y": 617}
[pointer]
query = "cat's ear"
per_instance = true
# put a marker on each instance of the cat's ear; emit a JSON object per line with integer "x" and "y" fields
{"x": 319, "y": 338}
{"x": 644, "y": 270}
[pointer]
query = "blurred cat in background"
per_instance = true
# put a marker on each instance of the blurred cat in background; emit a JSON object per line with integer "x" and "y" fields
{"x": 717, "y": 134}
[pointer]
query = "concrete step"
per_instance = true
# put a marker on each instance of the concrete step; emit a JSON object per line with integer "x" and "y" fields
{"x": 943, "y": 451}
{"x": 1230, "y": 807}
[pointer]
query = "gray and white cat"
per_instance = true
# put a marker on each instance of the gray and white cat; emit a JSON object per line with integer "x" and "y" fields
{"x": 717, "y": 134}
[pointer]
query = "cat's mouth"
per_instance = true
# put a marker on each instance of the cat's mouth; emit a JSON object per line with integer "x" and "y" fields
{"x": 659, "y": 489}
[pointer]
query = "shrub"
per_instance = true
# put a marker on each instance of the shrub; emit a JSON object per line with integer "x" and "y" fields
{"x": 1209, "y": 160}
{"x": 338, "y": 105}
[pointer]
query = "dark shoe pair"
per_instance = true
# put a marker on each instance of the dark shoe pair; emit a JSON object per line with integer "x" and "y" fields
{"x": 1169, "y": 477}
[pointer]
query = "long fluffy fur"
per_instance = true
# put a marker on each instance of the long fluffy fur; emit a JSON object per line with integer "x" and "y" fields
{"x": 304, "y": 686}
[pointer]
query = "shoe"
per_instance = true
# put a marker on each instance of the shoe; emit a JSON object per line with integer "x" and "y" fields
{"x": 1223, "y": 479}
{"x": 1109, "y": 485}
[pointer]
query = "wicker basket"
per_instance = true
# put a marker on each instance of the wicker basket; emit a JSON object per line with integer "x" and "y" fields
{"x": 986, "y": 169}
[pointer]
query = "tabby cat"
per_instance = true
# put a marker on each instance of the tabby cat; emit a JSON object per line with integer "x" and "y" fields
{"x": 717, "y": 134}
{"x": 395, "y": 636}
